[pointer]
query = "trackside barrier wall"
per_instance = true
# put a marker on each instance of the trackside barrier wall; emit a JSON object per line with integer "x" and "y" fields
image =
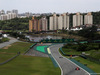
{"x": 65, "y": 53}
{"x": 57, "y": 40}
{"x": 62, "y": 51}
{"x": 79, "y": 64}
{"x": 33, "y": 45}
{"x": 49, "y": 54}
{"x": 30, "y": 48}
{"x": 82, "y": 66}
{"x": 9, "y": 59}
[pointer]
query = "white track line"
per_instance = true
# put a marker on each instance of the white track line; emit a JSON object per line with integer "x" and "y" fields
{"x": 75, "y": 64}
{"x": 57, "y": 63}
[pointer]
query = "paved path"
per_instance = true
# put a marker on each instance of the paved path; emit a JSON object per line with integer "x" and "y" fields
{"x": 67, "y": 67}
{"x": 12, "y": 40}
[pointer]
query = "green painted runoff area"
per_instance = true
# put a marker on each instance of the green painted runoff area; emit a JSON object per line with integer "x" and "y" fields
{"x": 41, "y": 48}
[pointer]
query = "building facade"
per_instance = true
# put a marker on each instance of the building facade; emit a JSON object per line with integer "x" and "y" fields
{"x": 66, "y": 21}
{"x": 38, "y": 24}
{"x": 59, "y": 22}
{"x": 9, "y": 15}
{"x": 88, "y": 19}
{"x": 31, "y": 25}
{"x": 53, "y": 22}
{"x": 77, "y": 20}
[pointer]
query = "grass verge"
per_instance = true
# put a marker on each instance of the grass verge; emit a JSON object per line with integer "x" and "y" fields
{"x": 16, "y": 47}
{"x": 28, "y": 65}
{"x": 25, "y": 65}
{"x": 93, "y": 66}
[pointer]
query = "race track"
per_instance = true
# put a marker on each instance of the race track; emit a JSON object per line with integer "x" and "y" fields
{"x": 67, "y": 67}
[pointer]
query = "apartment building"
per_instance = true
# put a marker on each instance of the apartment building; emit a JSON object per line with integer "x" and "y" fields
{"x": 59, "y": 22}
{"x": 88, "y": 19}
{"x": 77, "y": 20}
{"x": 38, "y": 24}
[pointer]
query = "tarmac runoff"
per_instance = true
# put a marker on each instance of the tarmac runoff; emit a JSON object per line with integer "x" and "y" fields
{"x": 67, "y": 67}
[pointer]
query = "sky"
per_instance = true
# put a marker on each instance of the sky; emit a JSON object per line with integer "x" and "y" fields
{"x": 50, "y": 6}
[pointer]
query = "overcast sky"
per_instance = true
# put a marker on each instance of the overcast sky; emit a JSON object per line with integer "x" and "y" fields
{"x": 46, "y": 6}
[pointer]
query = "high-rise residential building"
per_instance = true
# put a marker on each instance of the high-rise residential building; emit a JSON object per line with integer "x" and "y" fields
{"x": 88, "y": 19}
{"x": 8, "y": 15}
{"x": 66, "y": 20}
{"x": 60, "y": 22}
{"x": 53, "y": 22}
{"x": 51, "y": 25}
{"x": 8, "y": 12}
{"x": 43, "y": 24}
{"x": 38, "y": 24}
{"x": 11, "y": 16}
{"x": 15, "y": 11}
{"x": 3, "y": 17}
{"x": 2, "y": 12}
{"x": 31, "y": 25}
{"x": 77, "y": 20}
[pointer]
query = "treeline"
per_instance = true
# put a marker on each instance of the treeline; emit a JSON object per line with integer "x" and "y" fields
{"x": 15, "y": 24}
{"x": 90, "y": 33}
{"x": 96, "y": 18}
{"x": 83, "y": 47}
{"x": 23, "y": 23}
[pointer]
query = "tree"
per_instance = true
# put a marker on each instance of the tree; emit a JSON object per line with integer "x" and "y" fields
{"x": 90, "y": 33}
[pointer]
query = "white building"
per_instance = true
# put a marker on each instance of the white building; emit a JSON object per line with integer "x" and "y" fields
{"x": 63, "y": 21}
{"x": 66, "y": 21}
{"x": 60, "y": 22}
{"x": 8, "y": 16}
{"x": 2, "y": 12}
{"x": 3, "y": 17}
{"x": 88, "y": 19}
{"x": 11, "y": 16}
{"x": 77, "y": 20}
{"x": 51, "y": 23}
{"x": 55, "y": 22}
{"x": 44, "y": 24}
{"x": 15, "y": 11}
{"x": 8, "y": 12}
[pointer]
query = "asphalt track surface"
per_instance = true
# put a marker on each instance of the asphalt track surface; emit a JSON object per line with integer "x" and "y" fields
{"x": 67, "y": 67}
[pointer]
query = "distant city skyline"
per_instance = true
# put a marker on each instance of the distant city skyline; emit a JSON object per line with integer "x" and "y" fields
{"x": 50, "y": 6}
